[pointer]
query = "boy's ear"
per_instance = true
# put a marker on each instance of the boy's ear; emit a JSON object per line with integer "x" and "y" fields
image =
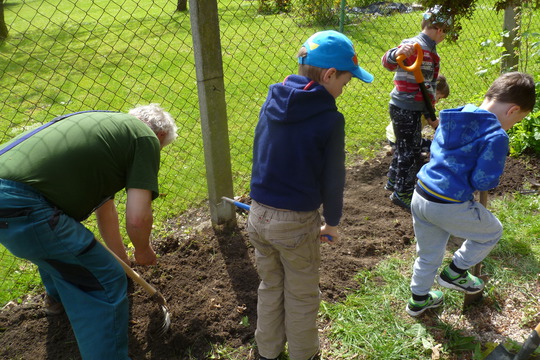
{"x": 513, "y": 109}
{"x": 326, "y": 75}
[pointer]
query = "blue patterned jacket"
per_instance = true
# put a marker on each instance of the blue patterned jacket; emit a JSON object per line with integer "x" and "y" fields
{"x": 468, "y": 153}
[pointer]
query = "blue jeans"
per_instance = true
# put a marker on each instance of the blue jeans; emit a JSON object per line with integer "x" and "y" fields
{"x": 74, "y": 268}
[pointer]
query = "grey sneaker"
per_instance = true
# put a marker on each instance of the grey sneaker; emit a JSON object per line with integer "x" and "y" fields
{"x": 434, "y": 300}
{"x": 467, "y": 283}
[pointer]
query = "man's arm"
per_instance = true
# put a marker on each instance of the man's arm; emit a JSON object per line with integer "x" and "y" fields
{"x": 139, "y": 221}
{"x": 109, "y": 228}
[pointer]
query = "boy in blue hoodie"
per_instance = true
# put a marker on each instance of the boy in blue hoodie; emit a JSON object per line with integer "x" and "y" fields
{"x": 298, "y": 164}
{"x": 468, "y": 154}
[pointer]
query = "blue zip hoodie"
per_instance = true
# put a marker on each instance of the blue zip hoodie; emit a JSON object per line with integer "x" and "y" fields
{"x": 298, "y": 152}
{"x": 468, "y": 153}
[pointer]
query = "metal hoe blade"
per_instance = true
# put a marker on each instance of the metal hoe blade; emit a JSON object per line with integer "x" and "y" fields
{"x": 165, "y": 326}
{"x": 154, "y": 294}
{"x": 166, "y": 321}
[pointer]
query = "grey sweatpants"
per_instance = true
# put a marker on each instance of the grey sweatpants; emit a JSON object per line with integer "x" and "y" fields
{"x": 434, "y": 223}
{"x": 287, "y": 253}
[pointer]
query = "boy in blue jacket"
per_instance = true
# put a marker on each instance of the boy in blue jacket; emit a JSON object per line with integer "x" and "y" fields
{"x": 468, "y": 154}
{"x": 298, "y": 164}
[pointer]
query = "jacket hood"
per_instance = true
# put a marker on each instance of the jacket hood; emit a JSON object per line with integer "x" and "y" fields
{"x": 286, "y": 101}
{"x": 457, "y": 129}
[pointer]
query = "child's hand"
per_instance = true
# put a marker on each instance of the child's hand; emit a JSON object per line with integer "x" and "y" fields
{"x": 329, "y": 234}
{"x": 434, "y": 124}
{"x": 407, "y": 50}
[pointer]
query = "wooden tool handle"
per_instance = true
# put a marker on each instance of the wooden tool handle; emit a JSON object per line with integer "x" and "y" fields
{"x": 133, "y": 275}
{"x": 477, "y": 269}
{"x": 484, "y": 198}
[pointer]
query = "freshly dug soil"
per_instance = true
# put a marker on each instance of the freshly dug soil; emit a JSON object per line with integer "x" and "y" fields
{"x": 210, "y": 282}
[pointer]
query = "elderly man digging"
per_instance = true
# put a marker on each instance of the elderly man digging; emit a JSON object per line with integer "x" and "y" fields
{"x": 54, "y": 177}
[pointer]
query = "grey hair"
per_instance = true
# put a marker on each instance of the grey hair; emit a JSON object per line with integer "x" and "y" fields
{"x": 158, "y": 120}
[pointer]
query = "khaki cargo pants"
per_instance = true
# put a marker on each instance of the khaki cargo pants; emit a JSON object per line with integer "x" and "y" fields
{"x": 287, "y": 253}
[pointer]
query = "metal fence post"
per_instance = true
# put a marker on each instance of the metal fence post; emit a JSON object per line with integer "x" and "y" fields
{"x": 211, "y": 90}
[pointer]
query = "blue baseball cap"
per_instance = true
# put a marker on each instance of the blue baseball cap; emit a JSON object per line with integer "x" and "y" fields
{"x": 331, "y": 49}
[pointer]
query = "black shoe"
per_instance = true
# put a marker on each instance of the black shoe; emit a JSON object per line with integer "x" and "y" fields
{"x": 52, "y": 307}
{"x": 402, "y": 199}
{"x": 389, "y": 185}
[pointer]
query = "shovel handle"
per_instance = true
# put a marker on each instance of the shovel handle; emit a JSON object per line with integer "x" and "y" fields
{"x": 484, "y": 198}
{"x": 530, "y": 345}
{"x": 416, "y": 67}
{"x": 477, "y": 269}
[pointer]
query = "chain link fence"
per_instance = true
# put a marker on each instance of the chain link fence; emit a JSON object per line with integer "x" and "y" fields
{"x": 66, "y": 56}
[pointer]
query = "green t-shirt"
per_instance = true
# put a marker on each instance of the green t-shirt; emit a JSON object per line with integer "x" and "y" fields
{"x": 81, "y": 161}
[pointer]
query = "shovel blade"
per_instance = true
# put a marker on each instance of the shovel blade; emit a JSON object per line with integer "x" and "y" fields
{"x": 500, "y": 353}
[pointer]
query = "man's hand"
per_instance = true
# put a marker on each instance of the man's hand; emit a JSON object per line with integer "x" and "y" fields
{"x": 145, "y": 256}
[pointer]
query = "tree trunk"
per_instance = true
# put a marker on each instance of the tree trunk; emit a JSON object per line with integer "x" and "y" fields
{"x": 3, "y": 27}
{"x": 181, "y": 5}
{"x": 511, "y": 42}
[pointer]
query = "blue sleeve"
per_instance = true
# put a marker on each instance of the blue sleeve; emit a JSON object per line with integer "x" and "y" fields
{"x": 490, "y": 164}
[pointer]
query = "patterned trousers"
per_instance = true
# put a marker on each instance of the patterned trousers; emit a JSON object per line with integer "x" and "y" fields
{"x": 406, "y": 159}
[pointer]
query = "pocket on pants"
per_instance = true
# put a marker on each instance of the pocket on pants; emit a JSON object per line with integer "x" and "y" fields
{"x": 287, "y": 234}
{"x": 14, "y": 216}
{"x": 16, "y": 226}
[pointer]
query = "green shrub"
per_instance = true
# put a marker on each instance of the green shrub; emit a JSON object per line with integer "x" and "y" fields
{"x": 268, "y": 7}
{"x": 318, "y": 12}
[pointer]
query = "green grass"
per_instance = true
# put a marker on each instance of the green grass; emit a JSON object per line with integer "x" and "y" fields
{"x": 372, "y": 324}
{"x": 19, "y": 277}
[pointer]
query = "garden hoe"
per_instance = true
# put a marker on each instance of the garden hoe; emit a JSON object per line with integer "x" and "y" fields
{"x": 239, "y": 204}
{"x": 477, "y": 269}
{"x": 154, "y": 294}
{"x": 530, "y": 345}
